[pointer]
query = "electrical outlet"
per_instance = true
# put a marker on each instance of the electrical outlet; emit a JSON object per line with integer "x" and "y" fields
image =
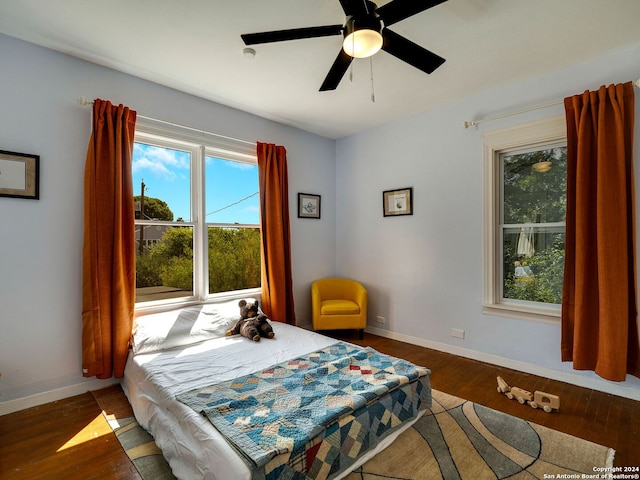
{"x": 457, "y": 333}
{"x": 380, "y": 319}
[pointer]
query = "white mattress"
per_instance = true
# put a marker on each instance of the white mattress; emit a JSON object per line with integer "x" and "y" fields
{"x": 189, "y": 442}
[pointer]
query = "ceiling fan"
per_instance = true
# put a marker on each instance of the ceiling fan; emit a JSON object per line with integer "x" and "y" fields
{"x": 365, "y": 33}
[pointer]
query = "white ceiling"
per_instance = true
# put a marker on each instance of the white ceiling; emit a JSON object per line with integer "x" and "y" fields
{"x": 195, "y": 46}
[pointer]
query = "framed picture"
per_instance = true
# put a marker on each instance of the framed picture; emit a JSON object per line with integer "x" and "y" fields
{"x": 397, "y": 202}
{"x": 19, "y": 175}
{"x": 308, "y": 205}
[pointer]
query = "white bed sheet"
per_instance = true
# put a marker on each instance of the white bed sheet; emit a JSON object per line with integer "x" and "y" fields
{"x": 192, "y": 446}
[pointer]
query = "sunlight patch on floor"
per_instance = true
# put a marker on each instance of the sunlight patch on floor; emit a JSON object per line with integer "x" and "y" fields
{"x": 97, "y": 428}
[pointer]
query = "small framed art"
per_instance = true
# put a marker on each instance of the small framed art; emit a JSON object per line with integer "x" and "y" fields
{"x": 397, "y": 202}
{"x": 19, "y": 175}
{"x": 308, "y": 205}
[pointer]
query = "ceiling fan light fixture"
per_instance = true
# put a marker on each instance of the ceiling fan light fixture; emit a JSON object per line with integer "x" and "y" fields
{"x": 542, "y": 167}
{"x": 362, "y": 40}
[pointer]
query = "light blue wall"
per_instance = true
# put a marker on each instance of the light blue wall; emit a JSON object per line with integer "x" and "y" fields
{"x": 424, "y": 272}
{"x": 41, "y": 241}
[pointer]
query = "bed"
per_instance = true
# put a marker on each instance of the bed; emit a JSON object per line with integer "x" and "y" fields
{"x": 299, "y": 406}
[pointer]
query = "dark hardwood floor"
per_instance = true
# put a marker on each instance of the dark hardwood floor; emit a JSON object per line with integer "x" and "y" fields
{"x": 64, "y": 440}
{"x": 70, "y": 439}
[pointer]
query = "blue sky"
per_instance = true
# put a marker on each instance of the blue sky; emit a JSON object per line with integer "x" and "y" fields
{"x": 231, "y": 187}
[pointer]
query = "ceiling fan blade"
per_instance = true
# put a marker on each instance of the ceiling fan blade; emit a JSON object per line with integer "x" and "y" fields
{"x": 398, "y": 10}
{"x": 337, "y": 71}
{"x": 354, "y": 7}
{"x": 291, "y": 34}
{"x": 410, "y": 52}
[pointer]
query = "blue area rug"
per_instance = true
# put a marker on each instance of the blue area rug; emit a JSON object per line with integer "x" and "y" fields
{"x": 455, "y": 439}
{"x": 458, "y": 439}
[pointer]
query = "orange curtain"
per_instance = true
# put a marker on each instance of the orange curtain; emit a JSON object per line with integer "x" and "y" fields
{"x": 277, "y": 284}
{"x": 108, "y": 255}
{"x": 599, "y": 298}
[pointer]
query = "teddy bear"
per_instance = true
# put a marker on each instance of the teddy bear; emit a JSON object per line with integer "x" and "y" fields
{"x": 252, "y": 324}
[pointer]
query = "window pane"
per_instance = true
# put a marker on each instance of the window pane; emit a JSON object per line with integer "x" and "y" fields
{"x": 162, "y": 192}
{"x": 534, "y": 191}
{"x": 166, "y": 176}
{"x": 164, "y": 264}
{"x": 533, "y": 263}
{"x": 525, "y": 202}
{"x": 231, "y": 192}
{"x": 232, "y": 198}
{"x": 174, "y": 186}
{"x": 234, "y": 258}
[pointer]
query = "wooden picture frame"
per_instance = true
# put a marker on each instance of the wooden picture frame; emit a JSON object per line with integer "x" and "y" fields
{"x": 308, "y": 205}
{"x": 19, "y": 175}
{"x": 397, "y": 202}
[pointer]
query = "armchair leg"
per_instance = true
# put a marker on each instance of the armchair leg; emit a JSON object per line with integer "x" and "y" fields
{"x": 361, "y": 334}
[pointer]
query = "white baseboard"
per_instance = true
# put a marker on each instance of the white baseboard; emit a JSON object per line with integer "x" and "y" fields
{"x": 11, "y": 406}
{"x": 574, "y": 379}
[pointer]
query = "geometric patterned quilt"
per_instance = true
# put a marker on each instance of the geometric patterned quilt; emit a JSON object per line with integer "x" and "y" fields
{"x": 313, "y": 416}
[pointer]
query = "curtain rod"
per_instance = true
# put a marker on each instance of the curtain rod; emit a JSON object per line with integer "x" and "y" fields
{"x": 475, "y": 123}
{"x": 85, "y": 101}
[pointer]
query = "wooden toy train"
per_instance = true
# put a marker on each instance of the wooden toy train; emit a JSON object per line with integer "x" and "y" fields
{"x": 547, "y": 401}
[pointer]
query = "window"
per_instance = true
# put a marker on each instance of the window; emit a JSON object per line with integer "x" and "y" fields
{"x": 197, "y": 217}
{"x": 525, "y": 203}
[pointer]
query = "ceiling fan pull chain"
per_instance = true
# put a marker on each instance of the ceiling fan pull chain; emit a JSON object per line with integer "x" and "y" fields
{"x": 373, "y": 93}
{"x": 353, "y": 48}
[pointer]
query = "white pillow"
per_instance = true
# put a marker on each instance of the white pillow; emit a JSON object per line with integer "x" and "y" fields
{"x": 183, "y": 326}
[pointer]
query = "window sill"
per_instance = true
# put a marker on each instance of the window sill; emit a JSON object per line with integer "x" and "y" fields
{"x": 524, "y": 312}
{"x": 164, "y": 305}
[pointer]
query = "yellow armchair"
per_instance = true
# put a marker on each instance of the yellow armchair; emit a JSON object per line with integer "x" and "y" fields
{"x": 338, "y": 303}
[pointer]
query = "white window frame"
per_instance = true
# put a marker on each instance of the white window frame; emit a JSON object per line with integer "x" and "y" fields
{"x": 199, "y": 144}
{"x": 530, "y": 135}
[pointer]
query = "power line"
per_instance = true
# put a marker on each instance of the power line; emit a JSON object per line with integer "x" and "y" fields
{"x": 232, "y": 204}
